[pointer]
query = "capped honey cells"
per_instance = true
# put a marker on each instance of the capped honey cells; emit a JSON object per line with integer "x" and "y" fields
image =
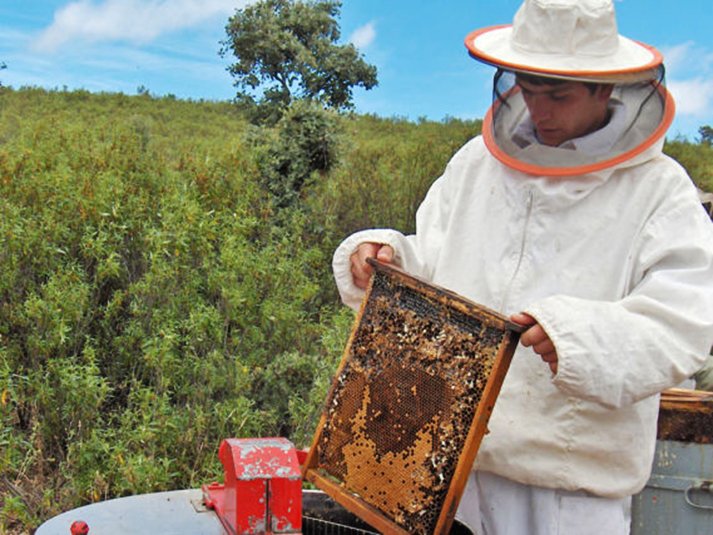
{"x": 409, "y": 404}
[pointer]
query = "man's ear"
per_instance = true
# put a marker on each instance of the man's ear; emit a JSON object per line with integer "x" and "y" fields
{"x": 604, "y": 91}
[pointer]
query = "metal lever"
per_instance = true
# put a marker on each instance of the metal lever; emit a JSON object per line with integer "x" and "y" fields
{"x": 705, "y": 486}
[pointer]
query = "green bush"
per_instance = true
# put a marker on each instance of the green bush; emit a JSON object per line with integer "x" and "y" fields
{"x": 386, "y": 170}
{"x": 697, "y": 158}
{"x": 150, "y": 298}
{"x": 303, "y": 143}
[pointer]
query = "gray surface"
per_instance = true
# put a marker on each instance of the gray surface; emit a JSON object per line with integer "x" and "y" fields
{"x": 678, "y": 498}
{"x": 178, "y": 512}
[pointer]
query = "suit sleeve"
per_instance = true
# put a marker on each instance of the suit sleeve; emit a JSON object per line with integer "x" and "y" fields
{"x": 659, "y": 334}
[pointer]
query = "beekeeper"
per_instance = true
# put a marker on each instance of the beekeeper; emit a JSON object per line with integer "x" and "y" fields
{"x": 566, "y": 215}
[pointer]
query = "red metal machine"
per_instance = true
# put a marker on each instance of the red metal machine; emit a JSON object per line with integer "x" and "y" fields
{"x": 262, "y": 491}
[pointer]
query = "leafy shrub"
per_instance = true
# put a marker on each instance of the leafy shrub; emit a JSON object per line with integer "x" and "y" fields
{"x": 696, "y": 158}
{"x": 150, "y": 298}
{"x": 386, "y": 170}
{"x": 304, "y": 142}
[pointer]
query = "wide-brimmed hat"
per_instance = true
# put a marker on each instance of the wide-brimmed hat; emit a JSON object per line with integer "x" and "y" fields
{"x": 566, "y": 38}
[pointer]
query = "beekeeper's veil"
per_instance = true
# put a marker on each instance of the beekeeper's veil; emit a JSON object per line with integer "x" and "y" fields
{"x": 571, "y": 40}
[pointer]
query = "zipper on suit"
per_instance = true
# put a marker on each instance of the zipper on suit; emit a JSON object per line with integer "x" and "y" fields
{"x": 521, "y": 254}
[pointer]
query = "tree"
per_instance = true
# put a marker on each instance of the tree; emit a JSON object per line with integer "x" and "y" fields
{"x": 706, "y": 133}
{"x": 287, "y": 50}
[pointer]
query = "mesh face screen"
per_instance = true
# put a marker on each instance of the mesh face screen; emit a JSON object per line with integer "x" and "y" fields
{"x": 638, "y": 111}
{"x": 404, "y": 400}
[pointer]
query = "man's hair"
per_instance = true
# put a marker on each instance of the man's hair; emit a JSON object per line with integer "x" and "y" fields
{"x": 535, "y": 79}
{"x": 502, "y": 82}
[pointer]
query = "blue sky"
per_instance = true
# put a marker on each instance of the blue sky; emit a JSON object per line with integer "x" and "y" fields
{"x": 171, "y": 47}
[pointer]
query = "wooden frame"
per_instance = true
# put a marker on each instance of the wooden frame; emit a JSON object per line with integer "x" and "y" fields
{"x": 409, "y": 404}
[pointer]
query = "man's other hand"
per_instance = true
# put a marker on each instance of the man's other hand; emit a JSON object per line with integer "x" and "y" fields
{"x": 361, "y": 271}
{"x": 536, "y": 338}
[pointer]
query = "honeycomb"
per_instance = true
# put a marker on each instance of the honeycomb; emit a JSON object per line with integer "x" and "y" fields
{"x": 686, "y": 416}
{"x": 404, "y": 400}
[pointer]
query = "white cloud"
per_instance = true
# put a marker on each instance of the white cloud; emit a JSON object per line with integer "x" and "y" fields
{"x": 363, "y": 36}
{"x": 689, "y": 73}
{"x": 693, "y": 97}
{"x": 676, "y": 57}
{"x": 687, "y": 59}
{"x": 130, "y": 20}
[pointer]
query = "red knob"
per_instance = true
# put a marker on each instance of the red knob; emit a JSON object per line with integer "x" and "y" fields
{"x": 79, "y": 527}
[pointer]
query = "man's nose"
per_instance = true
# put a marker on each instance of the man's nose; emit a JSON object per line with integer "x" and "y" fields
{"x": 540, "y": 109}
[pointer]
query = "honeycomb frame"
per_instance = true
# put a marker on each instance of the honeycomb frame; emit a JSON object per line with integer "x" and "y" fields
{"x": 409, "y": 404}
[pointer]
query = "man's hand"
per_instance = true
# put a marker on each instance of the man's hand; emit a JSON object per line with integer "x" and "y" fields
{"x": 361, "y": 271}
{"x": 536, "y": 337}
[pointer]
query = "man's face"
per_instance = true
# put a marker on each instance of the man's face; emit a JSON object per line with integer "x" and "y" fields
{"x": 566, "y": 110}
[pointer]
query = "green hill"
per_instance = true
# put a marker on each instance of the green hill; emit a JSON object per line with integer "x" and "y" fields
{"x": 153, "y": 298}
